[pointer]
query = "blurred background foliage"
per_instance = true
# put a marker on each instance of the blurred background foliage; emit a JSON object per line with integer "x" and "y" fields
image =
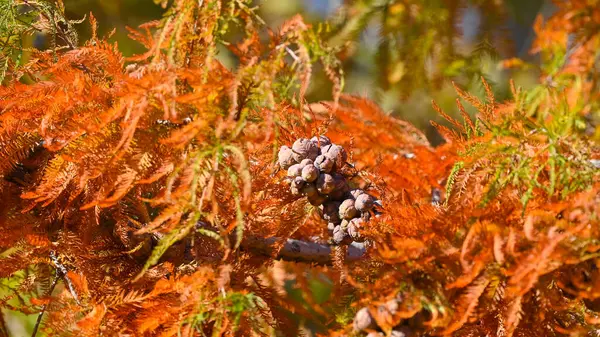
{"x": 402, "y": 54}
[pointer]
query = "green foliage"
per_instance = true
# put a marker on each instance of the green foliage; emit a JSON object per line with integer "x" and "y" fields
{"x": 20, "y": 21}
{"x": 231, "y": 304}
{"x": 452, "y": 177}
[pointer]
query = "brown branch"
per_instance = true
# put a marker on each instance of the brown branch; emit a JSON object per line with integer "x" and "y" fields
{"x": 298, "y": 251}
{"x": 291, "y": 249}
{"x": 41, "y": 314}
{"x": 61, "y": 271}
{"x": 3, "y": 328}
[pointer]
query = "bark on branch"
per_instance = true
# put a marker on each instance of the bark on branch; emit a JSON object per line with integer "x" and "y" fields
{"x": 298, "y": 251}
{"x": 292, "y": 249}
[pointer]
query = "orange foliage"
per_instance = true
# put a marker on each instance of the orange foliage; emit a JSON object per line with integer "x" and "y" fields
{"x": 135, "y": 184}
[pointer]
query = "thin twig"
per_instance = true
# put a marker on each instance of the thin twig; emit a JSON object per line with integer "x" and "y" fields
{"x": 62, "y": 271}
{"x": 39, "y": 319}
{"x": 3, "y": 328}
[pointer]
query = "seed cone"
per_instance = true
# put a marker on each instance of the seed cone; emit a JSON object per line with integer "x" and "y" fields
{"x": 324, "y": 164}
{"x": 364, "y": 202}
{"x": 363, "y": 320}
{"x": 354, "y": 227}
{"x": 310, "y": 173}
{"x": 294, "y": 171}
{"x": 304, "y": 149}
{"x": 340, "y": 236}
{"x": 335, "y": 153}
{"x": 285, "y": 157}
{"x": 325, "y": 183}
{"x": 347, "y": 209}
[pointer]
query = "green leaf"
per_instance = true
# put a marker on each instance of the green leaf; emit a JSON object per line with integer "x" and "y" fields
{"x": 321, "y": 288}
{"x": 167, "y": 241}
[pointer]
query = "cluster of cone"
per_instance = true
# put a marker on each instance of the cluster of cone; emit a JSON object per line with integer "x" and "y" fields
{"x": 314, "y": 169}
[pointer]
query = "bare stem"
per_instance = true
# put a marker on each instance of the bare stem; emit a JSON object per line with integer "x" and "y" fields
{"x": 299, "y": 251}
{"x": 293, "y": 250}
{"x": 62, "y": 271}
{"x": 3, "y": 328}
{"x": 39, "y": 319}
